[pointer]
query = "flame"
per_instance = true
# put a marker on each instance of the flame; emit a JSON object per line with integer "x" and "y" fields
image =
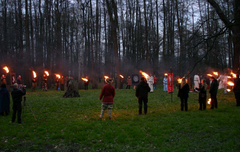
{"x": 6, "y": 69}
{"x": 46, "y": 72}
{"x": 230, "y": 83}
{"x": 233, "y": 74}
{"x": 85, "y": 79}
{"x": 34, "y": 74}
{"x": 121, "y": 76}
{"x": 165, "y": 74}
{"x": 179, "y": 80}
{"x": 144, "y": 74}
{"x": 229, "y": 77}
{"x": 106, "y": 77}
{"x": 209, "y": 101}
{"x": 215, "y": 73}
{"x": 209, "y": 75}
{"x": 58, "y": 76}
{"x": 228, "y": 90}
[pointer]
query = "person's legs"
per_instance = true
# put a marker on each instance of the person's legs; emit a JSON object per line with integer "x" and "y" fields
{"x": 139, "y": 106}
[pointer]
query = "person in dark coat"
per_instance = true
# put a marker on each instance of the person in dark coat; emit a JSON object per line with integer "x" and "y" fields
{"x": 236, "y": 89}
{"x": 183, "y": 94}
{"x": 4, "y": 100}
{"x": 213, "y": 92}
{"x": 17, "y": 105}
{"x": 142, "y": 95}
{"x": 107, "y": 94}
{"x": 202, "y": 98}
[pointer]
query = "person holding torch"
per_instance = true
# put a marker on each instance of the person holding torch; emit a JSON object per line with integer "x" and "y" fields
{"x": 107, "y": 94}
{"x": 213, "y": 92}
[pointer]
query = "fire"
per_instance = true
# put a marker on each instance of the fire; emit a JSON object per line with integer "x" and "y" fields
{"x": 230, "y": 83}
{"x": 34, "y": 74}
{"x": 233, "y": 74}
{"x": 106, "y": 77}
{"x": 144, "y": 74}
{"x": 166, "y": 74}
{"x": 209, "y": 75}
{"x": 46, "y": 72}
{"x": 229, "y": 77}
{"x": 215, "y": 73}
{"x": 179, "y": 80}
{"x": 58, "y": 76}
{"x": 6, "y": 69}
{"x": 209, "y": 101}
{"x": 121, "y": 76}
{"x": 228, "y": 90}
{"x": 85, "y": 79}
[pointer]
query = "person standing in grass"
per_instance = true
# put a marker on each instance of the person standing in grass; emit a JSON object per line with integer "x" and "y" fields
{"x": 183, "y": 94}
{"x": 142, "y": 95}
{"x": 213, "y": 92}
{"x": 4, "y": 100}
{"x": 17, "y": 105}
{"x": 107, "y": 95}
{"x": 129, "y": 82}
{"x": 202, "y": 98}
{"x": 236, "y": 89}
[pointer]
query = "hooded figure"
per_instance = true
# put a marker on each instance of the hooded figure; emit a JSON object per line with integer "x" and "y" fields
{"x": 4, "y": 100}
{"x": 142, "y": 95}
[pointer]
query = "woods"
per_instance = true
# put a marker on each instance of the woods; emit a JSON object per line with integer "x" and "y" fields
{"x": 112, "y": 37}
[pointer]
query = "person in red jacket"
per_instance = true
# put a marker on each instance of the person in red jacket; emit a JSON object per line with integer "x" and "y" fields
{"x": 107, "y": 94}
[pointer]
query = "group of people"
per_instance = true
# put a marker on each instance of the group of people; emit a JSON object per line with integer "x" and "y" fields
{"x": 108, "y": 93}
{"x": 201, "y": 88}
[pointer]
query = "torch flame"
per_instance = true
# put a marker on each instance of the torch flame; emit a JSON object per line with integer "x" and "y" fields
{"x": 179, "y": 80}
{"x": 233, "y": 74}
{"x": 34, "y": 74}
{"x": 166, "y": 74}
{"x": 58, "y": 76}
{"x": 121, "y": 76}
{"x": 228, "y": 90}
{"x": 85, "y": 79}
{"x": 144, "y": 74}
{"x": 230, "y": 83}
{"x": 6, "y": 69}
{"x": 209, "y": 75}
{"x": 46, "y": 72}
{"x": 215, "y": 73}
{"x": 229, "y": 77}
{"x": 209, "y": 101}
{"x": 106, "y": 77}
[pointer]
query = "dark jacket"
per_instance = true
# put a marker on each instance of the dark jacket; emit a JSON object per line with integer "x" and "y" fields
{"x": 202, "y": 93}
{"x": 4, "y": 100}
{"x": 17, "y": 96}
{"x": 236, "y": 88}
{"x": 214, "y": 87}
{"x": 142, "y": 90}
{"x": 183, "y": 92}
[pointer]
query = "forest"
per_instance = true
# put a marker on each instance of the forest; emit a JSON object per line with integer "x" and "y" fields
{"x": 111, "y": 37}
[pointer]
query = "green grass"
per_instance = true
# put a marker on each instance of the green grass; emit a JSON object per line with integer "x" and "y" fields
{"x": 72, "y": 124}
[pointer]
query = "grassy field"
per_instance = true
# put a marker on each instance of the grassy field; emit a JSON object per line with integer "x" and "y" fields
{"x": 54, "y": 123}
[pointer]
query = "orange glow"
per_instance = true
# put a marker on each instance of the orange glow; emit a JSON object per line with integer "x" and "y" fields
{"x": 46, "y": 72}
{"x": 106, "y": 77}
{"x": 165, "y": 74}
{"x": 179, "y": 80}
{"x": 209, "y": 101}
{"x": 215, "y": 73}
{"x": 6, "y": 69}
{"x": 58, "y": 76}
{"x": 209, "y": 75}
{"x": 121, "y": 76}
{"x": 228, "y": 90}
{"x": 85, "y": 79}
{"x": 229, "y": 77}
{"x": 230, "y": 83}
{"x": 34, "y": 74}
{"x": 144, "y": 74}
{"x": 233, "y": 75}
